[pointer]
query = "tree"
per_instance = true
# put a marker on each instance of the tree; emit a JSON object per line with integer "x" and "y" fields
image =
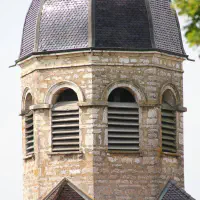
{"x": 190, "y": 9}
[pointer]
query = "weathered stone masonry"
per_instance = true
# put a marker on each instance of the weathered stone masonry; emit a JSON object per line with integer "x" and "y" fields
{"x": 100, "y": 173}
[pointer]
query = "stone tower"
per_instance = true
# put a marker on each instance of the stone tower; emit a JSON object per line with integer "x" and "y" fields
{"x": 102, "y": 98}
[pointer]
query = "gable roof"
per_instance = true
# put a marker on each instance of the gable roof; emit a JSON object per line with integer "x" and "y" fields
{"x": 173, "y": 192}
{"x": 65, "y": 190}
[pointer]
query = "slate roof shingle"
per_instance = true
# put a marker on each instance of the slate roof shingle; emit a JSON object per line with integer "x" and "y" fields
{"x": 65, "y": 190}
{"x": 68, "y": 25}
{"x": 173, "y": 192}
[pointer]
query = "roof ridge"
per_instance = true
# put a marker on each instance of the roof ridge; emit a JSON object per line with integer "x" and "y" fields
{"x": 60, "y": 187}
{"x": 55, "y": 188}
{"x": 151, "y": 27}
{"x": 37, "y": 31}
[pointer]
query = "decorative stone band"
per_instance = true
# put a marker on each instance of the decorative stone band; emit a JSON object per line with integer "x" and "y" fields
{"x": 93, "y": 103}
{"x": 36, "y": 107}
{"x": 79, "y": 153}
{"x": 101, "y": 58}
{"x": 178, "y": 108}
{"x": 40, "y": 106}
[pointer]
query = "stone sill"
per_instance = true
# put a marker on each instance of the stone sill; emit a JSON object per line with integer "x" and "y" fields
{"x": 30, "y": 156}
{"x": 124, "y": 152}
{"x": 64, "y": 153}
{"x": 170, "y": 154}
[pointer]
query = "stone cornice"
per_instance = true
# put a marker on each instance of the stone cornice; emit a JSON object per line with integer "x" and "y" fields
{"x": 98, "y": 103}
{"x": 101, "y": 58}
{"x": 36, "y": 107}
{"x": 40, "y": 106}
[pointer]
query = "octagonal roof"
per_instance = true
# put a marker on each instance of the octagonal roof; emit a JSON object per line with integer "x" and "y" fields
{"x": 71, "y": 25}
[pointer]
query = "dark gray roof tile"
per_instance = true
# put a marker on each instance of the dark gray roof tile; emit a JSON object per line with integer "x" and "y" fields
{"x": 65, "y": 190}
{"x": 173, "y": 192}
{"x": 29, "y": 33}
{"x": 166, "y": 27}
{"x": 62, "y": 25}
{"x": 122, "y": 23}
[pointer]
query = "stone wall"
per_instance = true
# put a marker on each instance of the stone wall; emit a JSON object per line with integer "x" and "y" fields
{"x": 141, "y": 175}
{"x": 96, "y": 171}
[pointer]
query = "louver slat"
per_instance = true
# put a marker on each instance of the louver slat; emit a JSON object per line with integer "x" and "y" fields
{"x": 65, "y": 138}
{"x": 117, "y": 129}
{"x": 121, "y": 147}
{"x": 65, "y": 120}
{"x": 64, "y": 125}
{"x": 123, "y": 136}
{"x": 168, "y": 129}
{"x": 123, "y": 112}
{"x": 123, "y": 126}
{"x": 65, "y": 128}
{"x": 66, "y": 149}
{"x": 30, "y": 148}
{"x": 65, "y": 132}
{"x": 29, "y": 134}
{"x": 64, "y": 114}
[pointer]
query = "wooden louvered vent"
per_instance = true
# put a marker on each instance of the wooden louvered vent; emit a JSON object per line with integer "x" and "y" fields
{"x": 168, "y": 128}
{"x": 65, "y": 127}
{"x": 123, "y": 126}
{"x": 29, "y": 131}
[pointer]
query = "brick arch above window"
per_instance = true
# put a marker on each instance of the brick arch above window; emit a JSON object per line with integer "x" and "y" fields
{"x": 61, "y": 85}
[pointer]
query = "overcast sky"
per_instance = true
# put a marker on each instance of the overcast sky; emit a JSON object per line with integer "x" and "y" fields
{"x": 12, "y": 15}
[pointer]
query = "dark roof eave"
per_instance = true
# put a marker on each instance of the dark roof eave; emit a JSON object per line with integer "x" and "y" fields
{"x": 97, "y": 48}
{"x": 173, "y": 183}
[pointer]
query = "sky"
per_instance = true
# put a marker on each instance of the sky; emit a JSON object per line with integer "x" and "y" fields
{"x": 12, "y": 15}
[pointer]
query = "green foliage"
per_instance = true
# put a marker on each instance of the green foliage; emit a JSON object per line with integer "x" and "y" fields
{"x": 190, "y": 9}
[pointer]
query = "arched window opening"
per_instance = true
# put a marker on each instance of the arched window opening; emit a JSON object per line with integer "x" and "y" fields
{"x": 66, "y": 95}
{"x": 65, "y": 122}
{"x": 28, "y": 102}
{"x": 29, "y": 125}
{"x": 168, "y": 112}
{"x": 121, "y": 95}
{"x": 123, "y": 121}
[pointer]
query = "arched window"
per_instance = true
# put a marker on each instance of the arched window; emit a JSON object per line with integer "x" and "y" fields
{"x": 123, "y": 121}
{"x": 168, "y": 113}
{"x": 29, "y": 125}
{"x": 65, "y": 122}
{"x": 28, "y": 102}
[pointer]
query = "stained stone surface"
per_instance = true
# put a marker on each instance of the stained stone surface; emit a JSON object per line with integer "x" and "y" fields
{"x": 97, "y": 172}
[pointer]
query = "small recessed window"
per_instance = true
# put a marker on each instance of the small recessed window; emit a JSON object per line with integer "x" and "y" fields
{"x": 65, "y": 122}
{"x": 168, "y": 113}
{"x": 123, "y": 121}
{"x": 29, "y": 126}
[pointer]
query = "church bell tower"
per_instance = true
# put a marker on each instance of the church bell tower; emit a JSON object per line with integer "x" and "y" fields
{"x": 102, "y": 99}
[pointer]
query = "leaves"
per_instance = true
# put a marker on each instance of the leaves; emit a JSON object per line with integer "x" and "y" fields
{"x": 191, "y": 9}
